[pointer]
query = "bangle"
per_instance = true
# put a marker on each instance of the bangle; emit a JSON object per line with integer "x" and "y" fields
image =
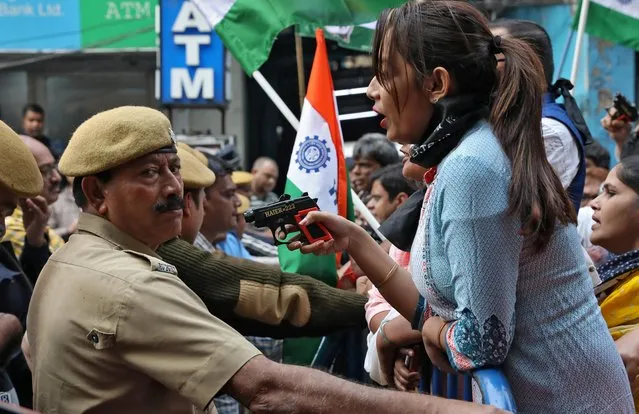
{"x": 439, "y": 336}
{"x": 388, "y": 277}
{"x": 383, "y": 334}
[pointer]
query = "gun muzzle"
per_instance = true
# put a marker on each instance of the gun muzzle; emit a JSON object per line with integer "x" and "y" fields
{"x": 249, "y": 216}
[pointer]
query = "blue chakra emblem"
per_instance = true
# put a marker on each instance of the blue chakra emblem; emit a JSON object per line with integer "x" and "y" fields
{"x": 313, "y": 154}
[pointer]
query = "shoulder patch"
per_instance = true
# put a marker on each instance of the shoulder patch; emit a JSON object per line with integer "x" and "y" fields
{"x": 157, "y": 265}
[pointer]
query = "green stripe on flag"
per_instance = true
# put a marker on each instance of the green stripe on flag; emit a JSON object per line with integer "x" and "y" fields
{"x": 609, "y": 24}
{"x": 249, "y": 27}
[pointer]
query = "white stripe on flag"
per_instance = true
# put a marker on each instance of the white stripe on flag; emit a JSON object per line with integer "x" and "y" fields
{"x": 629, "y": 8}
{"x": 214, "y": 10}
{"x": 313, "y": 166}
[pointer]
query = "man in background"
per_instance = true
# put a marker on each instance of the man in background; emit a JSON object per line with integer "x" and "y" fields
{"x": 265, "y": 174}
{"x": 220, "y": 207}
{"x": 389, "y": 190}
{"x": 37, "y": 232}
{"x": 371, "y": 152}
{"x": 33, "y": 123}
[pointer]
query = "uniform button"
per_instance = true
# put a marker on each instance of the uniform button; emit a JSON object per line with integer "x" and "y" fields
{"x": 94, "y": 338}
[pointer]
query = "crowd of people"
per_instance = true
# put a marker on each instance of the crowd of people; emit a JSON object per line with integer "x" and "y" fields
{"x": 130, "y": 281}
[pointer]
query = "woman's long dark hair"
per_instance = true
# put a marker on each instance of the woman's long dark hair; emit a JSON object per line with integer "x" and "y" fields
{"x": 454, "y": 35}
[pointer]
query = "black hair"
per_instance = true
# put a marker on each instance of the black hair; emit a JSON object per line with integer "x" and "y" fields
{"x": 219, "y": 166}
{"x": 32, "y": 107}
{"x": 628, "y": 172}
{"x": 393, "y": 181}
{"x": 455, "y": 35}
{"x": 536, "y": 36}
{"x": 598, "y": 154}
{"x": 376, "y": 147}
{"x": 78, "y": 194}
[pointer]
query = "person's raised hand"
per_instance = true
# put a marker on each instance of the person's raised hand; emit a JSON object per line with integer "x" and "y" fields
{"x": 619, "y": 130}
{"x": 35, "y": 217}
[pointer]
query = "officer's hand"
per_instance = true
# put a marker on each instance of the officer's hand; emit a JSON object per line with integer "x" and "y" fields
{"x": 618, "y": 130}
{"x": 36, "y": 215}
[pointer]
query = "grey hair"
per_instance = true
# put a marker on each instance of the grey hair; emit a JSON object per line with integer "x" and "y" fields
{"x": 377, "y": 147}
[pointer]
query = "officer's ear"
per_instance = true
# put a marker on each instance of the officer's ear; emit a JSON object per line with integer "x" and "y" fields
{"x": 93, "y": 189}
{"x": 189, "y": 203}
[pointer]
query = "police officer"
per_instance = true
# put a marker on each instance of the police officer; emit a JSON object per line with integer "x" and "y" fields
{"x": 20, "y": 178}
{"x": 113, "y": 329}
{"x": 196, "y": 177}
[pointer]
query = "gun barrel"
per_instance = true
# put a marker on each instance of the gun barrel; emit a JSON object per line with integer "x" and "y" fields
{"x": 249, "y": 216}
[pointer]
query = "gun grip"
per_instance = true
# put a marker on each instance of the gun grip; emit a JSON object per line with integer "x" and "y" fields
{"x": 315, "y": 231}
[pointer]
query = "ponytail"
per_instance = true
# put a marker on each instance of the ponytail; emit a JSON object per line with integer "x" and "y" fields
{"x": 536, "y": 194}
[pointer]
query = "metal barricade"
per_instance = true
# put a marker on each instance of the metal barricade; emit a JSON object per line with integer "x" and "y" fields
{"x": 487, "y": 385}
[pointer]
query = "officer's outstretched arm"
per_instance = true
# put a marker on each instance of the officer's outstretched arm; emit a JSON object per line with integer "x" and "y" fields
{"x": 266, "y": 386}
{"x": 257, "y": 299}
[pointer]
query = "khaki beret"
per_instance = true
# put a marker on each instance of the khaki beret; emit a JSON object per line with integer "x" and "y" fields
{"x": 245, "y": 204}
{"x": 198, "y": 154}
{"x": 115, "y": 137}
{"x": 194, "y": 174}
{"x": 241, "y": 177}
{"x": 18, "y": 168}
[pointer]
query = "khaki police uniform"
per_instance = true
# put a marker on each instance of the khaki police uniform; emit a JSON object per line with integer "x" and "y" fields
{"x": 112, "y": 329}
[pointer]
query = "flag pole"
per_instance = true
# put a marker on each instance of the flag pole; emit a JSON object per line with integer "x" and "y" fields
{"x": 279, "y": 103}
{"x": 358, "y": 204}
{"x": 301, "y": 81}
{"x": 581, "y": 28}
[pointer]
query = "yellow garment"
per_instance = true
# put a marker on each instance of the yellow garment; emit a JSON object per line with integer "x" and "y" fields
{"x": 620, "y": 310}
{"x": 16, "y": 233}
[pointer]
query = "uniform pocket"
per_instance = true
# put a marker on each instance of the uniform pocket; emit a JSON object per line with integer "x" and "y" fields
{"x": 101, "y": 340}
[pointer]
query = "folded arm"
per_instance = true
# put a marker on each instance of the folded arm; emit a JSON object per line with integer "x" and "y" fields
{"x": 257, "y": 299}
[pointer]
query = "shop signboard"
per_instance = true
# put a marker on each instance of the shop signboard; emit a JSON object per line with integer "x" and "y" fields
{"x": 117, "y": 24}
{"x": 192, "y": 57}
{"x": 42, "y": 25}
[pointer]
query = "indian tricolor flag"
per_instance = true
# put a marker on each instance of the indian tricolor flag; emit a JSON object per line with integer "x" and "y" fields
{"x": 613, "y": 20}
{"x": 317, "y": 165}
{"x": 318, "y": 168}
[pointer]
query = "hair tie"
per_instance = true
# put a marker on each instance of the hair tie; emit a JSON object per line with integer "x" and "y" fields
{"x": 495, "y": 46}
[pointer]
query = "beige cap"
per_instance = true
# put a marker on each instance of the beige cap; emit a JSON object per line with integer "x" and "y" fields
{"x": 115, "y": 137}
{"x": 194, "y": 174}
{"x": 241, "y": 177}
{"x": 198, "y": 154}
{"x": 18, "y": 168}
{"x": 245, "y": 204}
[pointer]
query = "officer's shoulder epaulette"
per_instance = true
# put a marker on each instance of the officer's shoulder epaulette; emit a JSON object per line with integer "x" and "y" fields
{"x": 156, "y": 264}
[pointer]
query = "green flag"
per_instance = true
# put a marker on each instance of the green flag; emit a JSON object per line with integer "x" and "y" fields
{"x": 248, "y": 28}
{"x": 613, "y": 20}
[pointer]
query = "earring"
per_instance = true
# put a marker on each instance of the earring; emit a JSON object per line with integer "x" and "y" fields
{"x": 433, "y": 100}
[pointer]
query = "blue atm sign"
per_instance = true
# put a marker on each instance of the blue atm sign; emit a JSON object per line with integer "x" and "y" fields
{"x": 191, "y": 56}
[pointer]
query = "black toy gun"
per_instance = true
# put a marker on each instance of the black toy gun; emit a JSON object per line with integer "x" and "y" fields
{"x": 289, "y": 211}
{"x": 625, "y": 110}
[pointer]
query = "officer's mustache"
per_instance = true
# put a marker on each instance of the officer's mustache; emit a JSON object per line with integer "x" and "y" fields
{"x": 173, "y": 202}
